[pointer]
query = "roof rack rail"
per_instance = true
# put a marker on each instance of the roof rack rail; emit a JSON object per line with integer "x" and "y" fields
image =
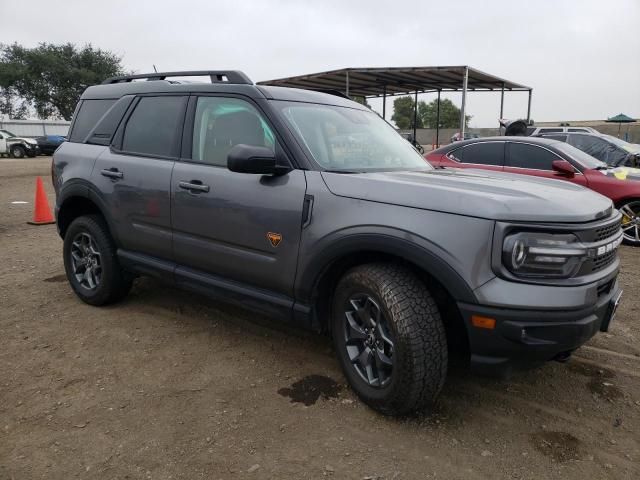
{"x": 216, "y": 76}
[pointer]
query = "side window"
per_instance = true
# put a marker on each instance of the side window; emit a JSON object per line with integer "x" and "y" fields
{"x": 152, "y": 128}
{"x": 550, "y": 130}
{"x": 88, "y": 115}
{"x": 522, "y": 155}
{"x": 562, "y": 138}
{"x": 577, "y": 130}
{"x": 221, "y": 123}
{"x": 490, "y": 153}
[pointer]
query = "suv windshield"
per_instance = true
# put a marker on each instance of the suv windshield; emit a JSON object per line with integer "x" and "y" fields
{"x": 579, "y": 156}
{"x": 629, "y": 147}
{"x": 7, "y": 133}
{"x": 348, "y": 139}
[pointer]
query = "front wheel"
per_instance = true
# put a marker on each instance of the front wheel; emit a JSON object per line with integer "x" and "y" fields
{"x": 91, "y": 262}
{"x": 631, "y": 222}
{"x": 389, "y": 338}
{"x": 18, "y": 151}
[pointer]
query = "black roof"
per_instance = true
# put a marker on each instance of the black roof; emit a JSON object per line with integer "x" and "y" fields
{"x": 375, "y": 82}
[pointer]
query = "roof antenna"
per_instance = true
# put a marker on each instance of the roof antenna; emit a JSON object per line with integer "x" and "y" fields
{"x": 155, "y": 69}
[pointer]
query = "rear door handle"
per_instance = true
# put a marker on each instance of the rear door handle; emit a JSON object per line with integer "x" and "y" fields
{"x": 194, "y": 186}
{"x": 112, "y": 173}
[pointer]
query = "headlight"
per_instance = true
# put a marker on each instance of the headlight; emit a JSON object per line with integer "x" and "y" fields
{"x": 531, "y": 254}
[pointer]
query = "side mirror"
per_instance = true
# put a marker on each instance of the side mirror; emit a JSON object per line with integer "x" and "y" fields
{"x": 253, "y": 159}
{"x": 563, "y": 167}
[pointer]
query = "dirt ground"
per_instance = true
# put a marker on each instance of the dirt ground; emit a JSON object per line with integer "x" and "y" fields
{"x": 170, "y": 385}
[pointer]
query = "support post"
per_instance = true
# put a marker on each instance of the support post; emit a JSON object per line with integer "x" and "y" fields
{"x": 465, "y": 83}
{"x": 384, "y": 102}
{"x": 347, "y": 91}
{"x": 501, "y": 104}
{"x": 529, "y": 106}
{"x": 415, "y": 117}
{"x": 438, "y": 121}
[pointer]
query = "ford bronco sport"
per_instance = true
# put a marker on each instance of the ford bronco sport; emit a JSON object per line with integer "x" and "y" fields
{"x": 310, "y": 207}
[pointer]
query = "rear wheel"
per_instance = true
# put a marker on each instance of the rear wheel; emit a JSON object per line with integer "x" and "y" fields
{"x": 389, "y": 338}
{"x": 631, "y": 222}
{"x": 18, "y": 151}
{"x": 91, "y": 263}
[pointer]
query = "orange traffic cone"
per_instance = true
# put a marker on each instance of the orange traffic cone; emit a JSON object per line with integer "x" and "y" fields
{"x": 41, "y": 212}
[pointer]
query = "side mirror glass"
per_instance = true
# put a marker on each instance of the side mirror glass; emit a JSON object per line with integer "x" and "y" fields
{"x": 563, "y": 167}
{"x": 253, "y": 159}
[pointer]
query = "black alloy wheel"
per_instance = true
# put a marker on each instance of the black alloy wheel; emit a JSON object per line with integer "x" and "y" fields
{"x": 368, "y": 341}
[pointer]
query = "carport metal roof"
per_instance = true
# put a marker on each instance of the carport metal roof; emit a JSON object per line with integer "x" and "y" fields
{"x": 378, "y": 82}
{"x": 384, "y": 82}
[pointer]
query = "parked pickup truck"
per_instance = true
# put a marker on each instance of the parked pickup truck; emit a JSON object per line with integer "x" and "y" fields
{"x": 17, "y": 147}
{"x": 311, "y": 208}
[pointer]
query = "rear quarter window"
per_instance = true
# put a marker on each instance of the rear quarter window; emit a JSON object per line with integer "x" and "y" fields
{"x": 89, "y": 112}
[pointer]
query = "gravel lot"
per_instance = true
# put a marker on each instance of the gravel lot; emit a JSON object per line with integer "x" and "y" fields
{"x": 170, "y": 385}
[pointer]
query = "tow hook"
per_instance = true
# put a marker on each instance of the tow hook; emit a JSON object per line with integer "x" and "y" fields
{"x": 563, "y": 357}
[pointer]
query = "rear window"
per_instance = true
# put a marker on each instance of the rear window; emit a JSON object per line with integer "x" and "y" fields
{"x": 88, "y": 115}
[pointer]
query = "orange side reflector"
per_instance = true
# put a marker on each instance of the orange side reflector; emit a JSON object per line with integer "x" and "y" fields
{"x": 483, "y": 322}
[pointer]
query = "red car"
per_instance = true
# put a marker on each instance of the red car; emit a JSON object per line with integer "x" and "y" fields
{"x": 551, "y": 159}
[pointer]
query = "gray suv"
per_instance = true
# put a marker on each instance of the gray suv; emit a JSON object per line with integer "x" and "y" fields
{"x": 310, "y": 208}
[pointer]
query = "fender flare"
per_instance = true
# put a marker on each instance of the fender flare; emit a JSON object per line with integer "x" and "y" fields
{"x": 83, "y": 189}
{"x": 331, "y": 249}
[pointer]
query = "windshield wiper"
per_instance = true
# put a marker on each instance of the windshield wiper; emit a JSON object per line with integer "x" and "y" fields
{"x": 340, "y": 171}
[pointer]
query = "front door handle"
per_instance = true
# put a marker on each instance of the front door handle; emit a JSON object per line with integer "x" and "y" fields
{"x": 194, "y": 186}
{"x": 112, "y": 173}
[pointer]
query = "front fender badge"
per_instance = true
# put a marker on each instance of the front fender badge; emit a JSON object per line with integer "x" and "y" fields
{"x": 274, "y": 238}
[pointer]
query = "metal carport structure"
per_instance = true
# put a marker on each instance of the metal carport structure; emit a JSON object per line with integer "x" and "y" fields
{"x": 394, "y": 81}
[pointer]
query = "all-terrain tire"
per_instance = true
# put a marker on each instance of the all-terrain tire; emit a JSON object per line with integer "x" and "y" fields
{"x": 115, "y": 283}
{"x": 420, "y": 355}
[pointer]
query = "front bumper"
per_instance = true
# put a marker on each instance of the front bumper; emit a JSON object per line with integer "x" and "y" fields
{"x": 525, "y": 337}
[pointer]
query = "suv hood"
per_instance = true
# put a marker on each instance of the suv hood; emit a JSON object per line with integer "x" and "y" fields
{"x": 476, "y": 193}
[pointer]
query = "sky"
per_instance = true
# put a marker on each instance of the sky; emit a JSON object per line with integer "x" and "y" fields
{"x": 581, "y": 57}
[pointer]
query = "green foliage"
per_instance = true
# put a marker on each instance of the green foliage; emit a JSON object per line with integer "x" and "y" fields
{"x": 427, "y": 114}
{"x": 403, "y": 113}
{"x": 50, "y": 78}
{"x": 449, "y": 114}
{"x": 361, "y": 100}
{"x": 11, "y": 105}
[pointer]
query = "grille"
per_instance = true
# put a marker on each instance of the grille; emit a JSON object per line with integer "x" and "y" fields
{"x": 607, "y": 231}
{"x": 603, "y": 260}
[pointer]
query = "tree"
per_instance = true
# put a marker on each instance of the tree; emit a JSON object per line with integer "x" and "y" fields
{"x": 403, "y": 113}
{"x": 360, "y": 100}
{"x": 11, "y": 105}
{"x": 449, "y": 114}
{"x": 51, "y": 77}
